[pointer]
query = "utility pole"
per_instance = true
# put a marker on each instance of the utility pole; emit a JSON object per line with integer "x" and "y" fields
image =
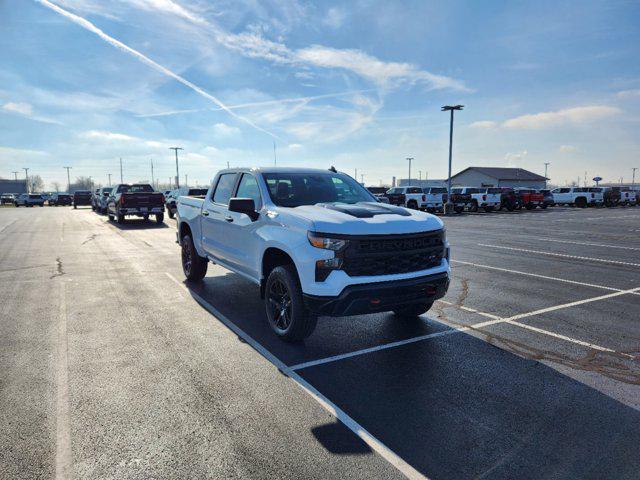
{"x": 152, "y": 183}
{"x": 633, "y": 179}
{"x": 410, "y": 159}
{"x": 170, "y": 184}
{"x": 355, "y": 175}
{"x": 420, "y": 175}
{"x": 15, "y": 174}
{"x": 361, "y": 178}
{"x": 450, "y": 108}
{"x": 26, "y": 179}
{"x": 121, "y": 177}
{"x": 546, "y": 165}
{"x": 68, "y": 179}
{"x": 109, "y": 178}
{"x": 175, "y": 149}
{"x": 275, "y": 158}
{"x": 90, "y": 183}
{"x": 186, "y": 180}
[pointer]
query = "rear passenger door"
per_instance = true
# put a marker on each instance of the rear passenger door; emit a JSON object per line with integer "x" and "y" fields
{"x": 214, "y": 216}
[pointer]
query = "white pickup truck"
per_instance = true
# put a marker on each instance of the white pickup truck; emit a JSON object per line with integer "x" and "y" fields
{"x": 316, "y": 243}
{"x": 410, "y": 197}
{"x": 579, "y": 196}
{"x": 480, "y": 198}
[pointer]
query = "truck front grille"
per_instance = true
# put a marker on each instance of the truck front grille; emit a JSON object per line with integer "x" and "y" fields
{"x": 393, "y": 254}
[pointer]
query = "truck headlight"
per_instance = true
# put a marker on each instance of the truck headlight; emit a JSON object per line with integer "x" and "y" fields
{"x": 326, "y": 243}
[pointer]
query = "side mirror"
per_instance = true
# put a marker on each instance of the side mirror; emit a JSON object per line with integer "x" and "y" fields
{"x": 244, "y": 205}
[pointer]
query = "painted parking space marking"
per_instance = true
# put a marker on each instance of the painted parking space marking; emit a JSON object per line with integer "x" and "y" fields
{"x": 494, "y": 320}
{"x": 375, "y": 444}
{"x": 561, "y": 255}
{"x": 535, "y": 275}
{"x": 571, "y": 242}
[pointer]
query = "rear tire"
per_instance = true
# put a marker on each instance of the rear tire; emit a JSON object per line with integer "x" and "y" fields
{"x": 581, "y": 202}
{"x": 544, "y": 206}
{"x": 488, "y": 209}
{"x": 170, "y": 212}
{"x": 413, "y": 310}
{"x": 412, "y": 204}
{"x": 159, "y": 218}
{"x": 120, "y": 218}
{"x": 458, "y": 209}
{"x": 75, "y": 207}
{"x": 287, "y": 315}
{"x": 193, "y": 265}
{"x": 109, "y": 216}
{"x": 474, "y": 207}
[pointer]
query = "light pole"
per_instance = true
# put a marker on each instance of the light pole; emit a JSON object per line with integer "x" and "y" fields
{"x": 109, "y": 175}
{"x": 633, "y": 179}
{"x": 362, "y": 179}
{"x": 450, "y": 108}
{"x": 409, "y": 159}
{"x": 546, "y": 165}
{"x": 15, "y": 174}
{"x": 175, "y": 149}
{"x": 68, "y": 179}
{"x": 420, "y": 175}
{"x": 90, "y": 182}
{"x": 152, "y": 182}
{"x": 26, "y": 178}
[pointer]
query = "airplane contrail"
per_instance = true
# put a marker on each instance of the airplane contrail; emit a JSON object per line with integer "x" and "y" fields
{"x": 87, "y": 25}
{"x": 258, "y": 104}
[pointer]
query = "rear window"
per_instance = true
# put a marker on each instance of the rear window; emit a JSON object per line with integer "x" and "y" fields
{"x": 392, "y": 191}
{"x": 473, "y": 190}
{"x": 494, "y": 190}
{"x": 580, "y": 189}
{"x": 38, "y": 197}
{"x": 456, "y": 190}
{"x": 437, "y": 190}
{"x": 197, "y": 191}
{"x": 107, "y": 189}
{"x": 414, "y": 190}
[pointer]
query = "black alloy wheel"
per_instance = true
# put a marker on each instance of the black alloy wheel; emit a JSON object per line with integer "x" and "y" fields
{"x": 279, "y": 300}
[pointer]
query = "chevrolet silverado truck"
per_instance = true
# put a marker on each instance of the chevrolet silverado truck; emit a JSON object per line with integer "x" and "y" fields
{"x": 315, "y": 243}
{"x": 139, "y": 200}
{"x": 29, "y": 200}
{"x": 479, "y": 198}
{"x": 410, "y": 197}
{"x": 530, "y": 198}
{"x": 81, "y": 197}
{"x": 436, "y": 198}
{"x": 581, "y": 197}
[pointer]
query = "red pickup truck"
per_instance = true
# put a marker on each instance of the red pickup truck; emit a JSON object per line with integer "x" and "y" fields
{"x": 530, "y": 198}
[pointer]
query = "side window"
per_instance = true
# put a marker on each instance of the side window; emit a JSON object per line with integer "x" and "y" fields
{"x": 248, "y": 188}
{"x": 224, "y": 188}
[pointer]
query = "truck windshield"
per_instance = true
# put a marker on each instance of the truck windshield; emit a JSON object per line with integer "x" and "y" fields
{"x": 297, "y": 189}
{"x": 143, "y": 187}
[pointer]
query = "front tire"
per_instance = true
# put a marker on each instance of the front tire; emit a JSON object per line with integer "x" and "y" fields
{"x": 413, "y": 310}
{"x": 286, "y": 312}
{"x": 193, "y": 265}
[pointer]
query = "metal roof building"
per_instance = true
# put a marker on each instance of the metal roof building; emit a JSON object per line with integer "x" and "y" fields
{"x": 498, "y": 177}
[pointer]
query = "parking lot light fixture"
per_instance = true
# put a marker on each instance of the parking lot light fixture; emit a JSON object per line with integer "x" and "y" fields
{"x": 410, "y": 159}
{"x": 450, "y": 108}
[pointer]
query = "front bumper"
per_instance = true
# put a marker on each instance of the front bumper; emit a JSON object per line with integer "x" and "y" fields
{"x": 380, "y": 297}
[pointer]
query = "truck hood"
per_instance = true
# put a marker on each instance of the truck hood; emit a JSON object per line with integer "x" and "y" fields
{"x": 365, "y": 218}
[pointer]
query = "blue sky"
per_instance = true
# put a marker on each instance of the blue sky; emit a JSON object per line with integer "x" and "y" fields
{"x": 354, "y": 84}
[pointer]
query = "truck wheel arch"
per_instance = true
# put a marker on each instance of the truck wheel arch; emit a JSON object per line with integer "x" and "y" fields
{"x": 271, "y": 258}
{"x": 184, "y": 230}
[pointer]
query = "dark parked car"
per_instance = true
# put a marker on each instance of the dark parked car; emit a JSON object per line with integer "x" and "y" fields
{"x": 58, "y": 199}
{"x": 171, "y": 199}
{"x": 139, "y": 200}
{"x": 81, "y": 197}
{"x": 509, "y": 199}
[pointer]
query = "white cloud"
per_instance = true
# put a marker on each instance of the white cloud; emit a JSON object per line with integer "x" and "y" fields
{"x": 568, "y": 149}
{"x": 335, "y": 17}
{"x": 222, "y": 130}
{"x": 107, "y": 136}
{"x": 629, "y": 93}
{"x": 575, "y": 115}
{"x": 294, "y": 147}
{"x": 486, "y": 124}
{"x": 18, "y": 107}
{"x": 515, "y": 158}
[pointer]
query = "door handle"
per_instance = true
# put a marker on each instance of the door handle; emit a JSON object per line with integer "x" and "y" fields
{"x": 205, "y": 213}
{"x": 228, "y": 218}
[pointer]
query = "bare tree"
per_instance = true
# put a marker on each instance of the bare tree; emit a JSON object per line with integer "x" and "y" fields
{"x": 35, "y": 183}
{"x": 55, "y": 186}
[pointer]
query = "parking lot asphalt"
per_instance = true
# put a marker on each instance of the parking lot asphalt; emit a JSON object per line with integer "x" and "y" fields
{"x": 113, "y": 367}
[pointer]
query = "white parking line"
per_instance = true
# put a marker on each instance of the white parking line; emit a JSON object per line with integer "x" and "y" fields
{"x": 456, "y": 329}
{"x": 622, "y": 247}
{"x": 63, "y": 430}
{"x": 545, "y": 277}
{"x": 561, "y": 255}
{"x": 384, "y": 451}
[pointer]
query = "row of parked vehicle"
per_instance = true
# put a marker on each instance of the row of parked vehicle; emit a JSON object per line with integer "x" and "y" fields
{"x": 128, "y": 200}
{"x": 79, "y": 198}
{"x": 488, "y": 199}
